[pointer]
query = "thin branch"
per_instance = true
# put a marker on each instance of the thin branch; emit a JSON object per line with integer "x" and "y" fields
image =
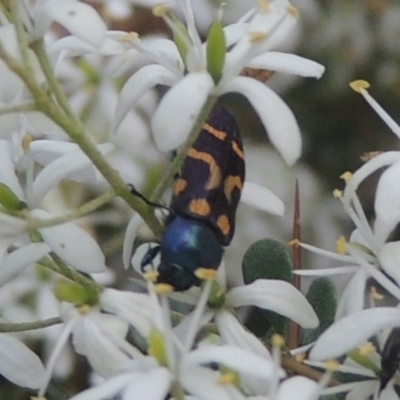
{"x": 80, "y": 212}
{"x": 18, "y": 108}
{"x": 8, "y": 327}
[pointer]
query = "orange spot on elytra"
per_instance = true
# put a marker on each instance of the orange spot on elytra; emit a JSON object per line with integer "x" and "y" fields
{"x": 200, "y": 207}
{"x": 214, "y": 179}
{"x": 223, "y": 224}
{"x": 232, "y": 182}
{"x": 180, "y": 186}
{"x": 221, "y": 135}
{"x": 238, "y": 150}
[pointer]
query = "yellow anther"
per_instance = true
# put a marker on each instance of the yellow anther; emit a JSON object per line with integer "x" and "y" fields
{"x": 163, "y": 288}
{"x": 300, "y": 357}
{"x": 341, "y": 245}
{"x": 258, "y": 37}
{"x": 151, "y": 276}
{"x": 26, "y": 142}
{"x": 160, "y": 10}
{"x": 129, "y": 37}
{"x": 227, "y": 378}
{"x": 38, "y": 398}
{"x": 332, "y": 365}
{"x": 367, "y": 349}
{"x": 85, "y": 309}
{"x": 264, "y": 4}
{"x": 369, "y": 155}
{"x": 206, "y": 274}
{"x": 294, "y": 242}
{"x": 375, "y": 294}
{"x": 337, "y": 194}
{"x": 278, "y": 340}
{"x": 359, "y": 85}
{"x": 346, "y": 176}
{"x": 294, "y": 12}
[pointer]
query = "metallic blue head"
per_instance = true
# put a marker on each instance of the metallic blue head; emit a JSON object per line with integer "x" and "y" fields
{"x": 186, "y": 245}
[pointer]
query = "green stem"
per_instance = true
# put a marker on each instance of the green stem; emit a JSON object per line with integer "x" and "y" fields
{"x": 46, "y": 104}
{"x": 80, "y": 212}
{"x": 55, "y": 264}
{"x": 21, "y": 35}
{"x": 8, "y": 327}
{"x": 18, "y": 108}
{"x": 168, "y": 177}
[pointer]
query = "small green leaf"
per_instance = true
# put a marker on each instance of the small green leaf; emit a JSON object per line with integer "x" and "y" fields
{"x": 322, "y": 296}
{"x": 74, "y": 293}
{"x": 267, "y": 259}
{"x": 9, "y": 200}
{"x": 216, "y": 50}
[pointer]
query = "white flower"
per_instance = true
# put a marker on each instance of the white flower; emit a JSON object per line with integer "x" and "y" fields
{"x": 368, "y": 247}
{"x": 19, "y": 364}
{"x": 250, "y": 40}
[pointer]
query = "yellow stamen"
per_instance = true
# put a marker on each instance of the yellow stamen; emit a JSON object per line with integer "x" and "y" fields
{"x": 294, "y": 242}
{"x": 227, "y": 378}
{"x": 294, "y": 12}
{"x": 278, "y": 340}
{"x": 367, "y": 349}
{"x": 359, "y": 85}
{"x": 332, "y": 365}
{"x": 160, "y": 10}
{"x": 26, "y": 142}
{"x": 264, "y": 4}
{"x": 38, "y": 398}
{"x": 151, "y": 276}
{"x": 163, "y": 288}
{"x": 300, "y": 357}
{"x": 257, "y": 37}
{"x": 370, "y": 155}
{"x": 129, "y": 37}
{"x": 206, "y": 274}
{"x": 346, "y": 176}
{"x": 375, "y": 294}
{"x": 337, "y": 194}
{"x": 85, "y": 309}
{"x": 341, "y": 245}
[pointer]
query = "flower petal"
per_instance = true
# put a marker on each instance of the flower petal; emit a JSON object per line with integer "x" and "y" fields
{"x": 238, "y": 359}
{"x": 7, "y": 170}
{"x": 389, "y": 257}
{"x": 19, "y": 364}
{"x": 133, "y": 307}
{"x": 233, "y": 333}
{"x": 387, "y": 201}
{"x": 21, "y": 258}
{"x": 72, "y": 244}
{"x": 297, "y": 387}
{"x": 287, "y": 63}
{"x": 275, "y": 295}
{"x": 275, "y": 115}
{"x": 73, "y": 165}
{"x": 136, "y": 86}
{"x": 262, "y": 198}
{"x": 185, "y": 100}
{"x": 352, "y": 331}
{"x": 74, "y": 16}
{"x": 131, "y": 232}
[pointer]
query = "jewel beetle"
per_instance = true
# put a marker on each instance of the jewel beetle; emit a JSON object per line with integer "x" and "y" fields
{"x": 203, "y": 206}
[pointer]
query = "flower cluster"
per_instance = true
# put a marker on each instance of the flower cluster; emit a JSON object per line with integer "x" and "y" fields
{"x": 79, "y": 116}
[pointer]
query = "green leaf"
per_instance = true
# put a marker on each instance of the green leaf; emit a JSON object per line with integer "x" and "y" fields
{"x": 216, "y": 50}
{"x": 9, "y": 200}
{"x": 322, "y": 296}
{"x": 267, "y": 259}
